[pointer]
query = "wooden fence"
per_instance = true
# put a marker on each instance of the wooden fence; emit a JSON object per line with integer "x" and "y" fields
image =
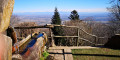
{"x": 52, "y": 36}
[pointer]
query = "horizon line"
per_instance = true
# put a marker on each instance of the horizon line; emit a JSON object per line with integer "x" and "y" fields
{"x": 63, "y": 11}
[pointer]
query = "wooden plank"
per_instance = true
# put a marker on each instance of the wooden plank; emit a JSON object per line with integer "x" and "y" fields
{"x": 31, "y": 27}
{"x": 65, "y": 26}
{"x": 65, "y": 36}
{"x": 56, "y": 54}
{"x": 71, "y": 47}
{"x": 101, "y": 37}
{"x": 87, "y": 40}
{"x": 62, "y": 26}
{"x": 68, "y": 54}
{"x": 44, "y": 26}
{"x": 88, "y": 33}
{"x": 100, "y": 44}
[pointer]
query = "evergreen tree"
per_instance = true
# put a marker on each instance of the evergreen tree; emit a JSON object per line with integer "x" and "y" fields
{"x": 56, "y": 18}
{"x": 74, "y": 15}
{"x": 56, "y": 30}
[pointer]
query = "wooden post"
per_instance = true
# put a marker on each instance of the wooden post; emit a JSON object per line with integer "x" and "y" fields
{"x": 96, "y": 40}
{"x": 78, "y": 36}
{"x": 52, "y": 38}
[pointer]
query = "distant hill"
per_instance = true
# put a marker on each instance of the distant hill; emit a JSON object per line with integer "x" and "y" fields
{"x": 45, "y": 17}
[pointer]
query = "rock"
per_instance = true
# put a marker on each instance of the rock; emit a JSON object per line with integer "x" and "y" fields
{"x": 6, "y": 9}
{"x": 5, "y": 47}
{"x": 16, "y": 57}
{"x": 113, "y": 42}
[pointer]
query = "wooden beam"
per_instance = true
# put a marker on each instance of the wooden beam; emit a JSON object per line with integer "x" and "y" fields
{"x": 101, "y": 37}
{"x": 66, "y": 26}
{"x": 31, "y": 27}
{"x": 99, "y": 44}
{"x": 88, "y": 33}
{"x": 44, "y": 26}
{"x": 65, "y": 36}
{"x": 62, "y": 25}
{"x": 87, "y": 40}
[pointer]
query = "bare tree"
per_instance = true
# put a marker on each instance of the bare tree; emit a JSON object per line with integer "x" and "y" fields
{"x": 114, "y": 17}
{"x": 26, "y": 32}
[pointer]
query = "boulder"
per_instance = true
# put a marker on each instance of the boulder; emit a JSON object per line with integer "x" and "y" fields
{"x": 6, "y": 9}
{"x": 113, "y": 42}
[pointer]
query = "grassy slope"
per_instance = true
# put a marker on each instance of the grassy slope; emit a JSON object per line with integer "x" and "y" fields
{"x": 96, "y": 54}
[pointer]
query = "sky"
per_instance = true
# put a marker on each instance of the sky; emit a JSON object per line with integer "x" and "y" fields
{"x": 62, "y": 5}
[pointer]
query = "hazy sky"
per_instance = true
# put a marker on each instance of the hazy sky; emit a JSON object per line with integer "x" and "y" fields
{"x": 62, "y": 5}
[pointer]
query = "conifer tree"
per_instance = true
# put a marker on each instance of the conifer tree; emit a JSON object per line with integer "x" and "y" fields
{"x": 74, "y": 15}
{"x": 56, "y": 18}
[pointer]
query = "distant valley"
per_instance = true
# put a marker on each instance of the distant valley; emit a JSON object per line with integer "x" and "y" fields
{"x": 45, "y": 17}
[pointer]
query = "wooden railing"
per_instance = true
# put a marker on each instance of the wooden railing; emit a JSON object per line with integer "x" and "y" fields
{"x": 53, "y": 36}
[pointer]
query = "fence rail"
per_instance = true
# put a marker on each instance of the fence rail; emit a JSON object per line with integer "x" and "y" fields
{"x": 78, "y": 35}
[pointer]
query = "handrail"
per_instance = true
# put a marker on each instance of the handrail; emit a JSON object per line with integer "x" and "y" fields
{"x": 88, "y": 33}
{"x": 54, "y": 25}
{"x": 90, "y": 42}
{"x": 87, "y": 40}
{"x": 44, "y": 26}
{"x": 65, "y": 36}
